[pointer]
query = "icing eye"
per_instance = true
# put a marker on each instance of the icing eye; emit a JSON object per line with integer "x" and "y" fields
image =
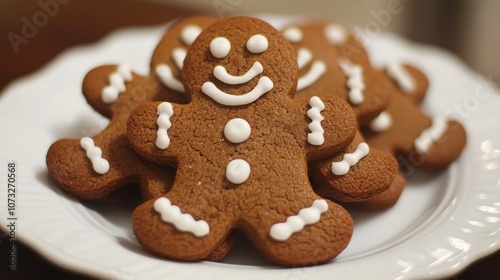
{"x": 220, "y": 47}
{"x": 293, "y": 34}
{"x": 257, "y": 43}
{"x": 190, "y": 33}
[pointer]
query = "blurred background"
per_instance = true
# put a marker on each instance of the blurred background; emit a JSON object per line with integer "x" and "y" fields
{"x": 34, "y": 31}
{"x": 467, "y": 28}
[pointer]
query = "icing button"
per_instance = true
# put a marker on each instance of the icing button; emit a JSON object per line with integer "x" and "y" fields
{"x": 238, "y": 171}
{"x": 237, "y": 130}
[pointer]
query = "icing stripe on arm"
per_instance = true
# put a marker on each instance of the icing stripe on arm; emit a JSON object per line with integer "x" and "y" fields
{"x": 316, "y": 136}
{"x": 355, "y": 80}
{"x": 99, "y": 164}
{"x": 401, "y": 76}
{"x": 350, "y": 159}
{"x": 382, "y": 122}
{"x": 430, "y": 135}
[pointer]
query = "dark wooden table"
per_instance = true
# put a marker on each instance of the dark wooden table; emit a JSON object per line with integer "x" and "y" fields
{"x": 33, "y": 34}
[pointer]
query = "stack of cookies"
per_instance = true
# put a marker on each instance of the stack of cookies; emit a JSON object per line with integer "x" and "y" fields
{"x": 240, "y": 126}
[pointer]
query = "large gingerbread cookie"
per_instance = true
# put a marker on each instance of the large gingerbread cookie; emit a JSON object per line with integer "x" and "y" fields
{"x": 241, "y": 148}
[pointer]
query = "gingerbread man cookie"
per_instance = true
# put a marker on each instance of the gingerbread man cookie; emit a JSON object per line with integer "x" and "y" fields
{"x": 358, "y": 172}
{"x": 417, "y": 139}
{"x": 326, "y": 68}
{"x": 241, "y": 148}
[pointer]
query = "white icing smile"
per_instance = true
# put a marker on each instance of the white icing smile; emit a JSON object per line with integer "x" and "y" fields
{"x": 304, "y": 56}
{"x": 221, "y": 73}
{"x": 263, "y": 86}
{"x": 116, "y": 85}
{"x": 167, "y": 77}
{"x": 165, "y": 111}
{"x": 403, "y": 78}
{"x": 220, "y": 47}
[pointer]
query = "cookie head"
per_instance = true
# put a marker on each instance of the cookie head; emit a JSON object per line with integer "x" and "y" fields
{"x": 168, "y": 57}
{"x": 239, "y": 68}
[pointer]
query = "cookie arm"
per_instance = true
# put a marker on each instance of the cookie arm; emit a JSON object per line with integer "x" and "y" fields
{"x": 102, "y": 86}
{"x": 331, "y": 126}
{"x": 152, "y": 132}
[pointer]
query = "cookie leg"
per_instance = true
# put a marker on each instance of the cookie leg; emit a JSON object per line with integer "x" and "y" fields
{"x": 357, "y": 173}
{"x": 314, "y": 234}
{"x": 174, "y": 229}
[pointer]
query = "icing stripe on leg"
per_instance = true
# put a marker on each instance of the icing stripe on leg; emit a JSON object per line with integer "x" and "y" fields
{"x": 293, "y": 224}
{"x": 182, "y": 221}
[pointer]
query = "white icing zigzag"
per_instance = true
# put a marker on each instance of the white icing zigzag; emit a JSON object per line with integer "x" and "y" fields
{"x": 182, "y": 221}
{"x": 317, "y": 131}
{"x": 164, "y": 111}
{"x": 355, "y": 80}
{"x": 350, "y": 159}
{"x": 221, "y": 73}
{"x": 295, "y": 223}
{"x": 94, "y": 153}
{"x": 116, "y": 85}
{"x": 430, "y": 135}
{"x": 264, "y": 85}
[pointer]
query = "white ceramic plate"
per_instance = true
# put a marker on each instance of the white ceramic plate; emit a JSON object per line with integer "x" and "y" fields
{"x": 441, "y": 224}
